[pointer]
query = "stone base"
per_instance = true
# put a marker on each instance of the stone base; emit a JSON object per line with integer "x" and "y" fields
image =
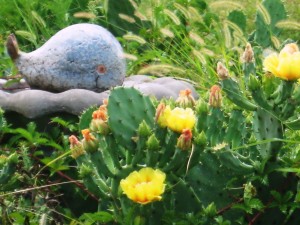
{"x": 35, "y": 103}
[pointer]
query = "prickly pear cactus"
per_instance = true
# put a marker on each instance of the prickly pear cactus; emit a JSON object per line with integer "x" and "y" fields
{"x": 269, "y": 13}
{"x": 239, "y": 18}
{"x": 193, "y": 160}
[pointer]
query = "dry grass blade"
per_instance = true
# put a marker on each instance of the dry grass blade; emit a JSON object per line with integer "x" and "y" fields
{"x": 196, "y": 38}
{"x": 161, "y": 69}
{"x": 84, "y": 15}
{"x": 130, "y": 56}
{"x": 183, "y": 10}
{"x": 288, "y": 24}
{"x": 225, "y": 5}
{"x": 172, "y": 16}
{"x": 133, "y": 37}
{"x": 127, "y": 18}
{"x": 167, "y": 33}
{"x": 264, "y": 12}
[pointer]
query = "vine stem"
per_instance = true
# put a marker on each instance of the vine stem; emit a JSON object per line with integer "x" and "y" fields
{"x": 253, "y": 220}
{"x": 78, "y": 184}
{"x": 221, "y": 211}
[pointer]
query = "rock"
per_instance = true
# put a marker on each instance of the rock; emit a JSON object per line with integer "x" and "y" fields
{"x": 36, "y": 103}
{"x": 81, "y": 56}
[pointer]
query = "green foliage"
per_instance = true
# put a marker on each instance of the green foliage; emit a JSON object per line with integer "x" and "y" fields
{"x": 100, "y": 217}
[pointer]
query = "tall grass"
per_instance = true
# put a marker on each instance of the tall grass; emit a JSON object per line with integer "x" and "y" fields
{"x": 190, "y": 35}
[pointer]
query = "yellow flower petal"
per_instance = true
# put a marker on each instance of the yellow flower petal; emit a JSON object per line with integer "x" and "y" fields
{"x": 286, "y": 65}
{"x": 271, "y": 62}
{"x": 180, "y": 119}
{"x": 144, "y": 186}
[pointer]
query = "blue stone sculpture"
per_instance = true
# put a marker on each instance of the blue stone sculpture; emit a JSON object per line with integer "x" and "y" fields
{"x": 81, "y": 56}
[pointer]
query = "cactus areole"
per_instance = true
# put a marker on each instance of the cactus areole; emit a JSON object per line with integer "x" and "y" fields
{"x": 84, "y": 56}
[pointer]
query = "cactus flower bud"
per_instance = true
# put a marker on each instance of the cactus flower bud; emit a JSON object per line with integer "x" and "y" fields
{"x": 85, "y": 171}
{"x": 215, "y": 97}
{"x": 105, "y": 101}
{"x": 144, "y": 130}
{"x": 249, "y": 191}
{"x": 184, "y": 142}
{"x": 185, "y": 99}
{"x": 286, "y": 65}
{"x": 99, "y": 126}
{"x": 89, "y": 142}
{"x": 201, "y": 139}
{"x": 248, "y": 55}
{"x": 76, "y": 147}
{"x": 254, "y": 84}
{"x": 162, "y": 113}
{"x": 201, "y": 106}
{"x": 290, "y": 48}
{"x": 152, "y": 143}
{"x": 101, "y": 113}
{"x": 222, "y": 71}
{"x": 99, "y": 121}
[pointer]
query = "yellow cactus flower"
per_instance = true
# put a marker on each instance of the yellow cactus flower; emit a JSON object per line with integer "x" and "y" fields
{"x": 286, "y": 65}
{"x": 180, "y": 119}
{"x": 144, "y": 186}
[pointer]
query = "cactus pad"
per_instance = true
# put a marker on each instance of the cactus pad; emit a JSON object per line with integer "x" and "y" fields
{"x": 127, "y": 108}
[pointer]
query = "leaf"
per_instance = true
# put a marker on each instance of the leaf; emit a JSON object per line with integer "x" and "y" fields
{"x": 60, "y": 121}
{"x": 255, "y": 203}
{"x": 276, "y": 195}
{"x": 103, "y": 217}
{"x": 54, "y": 145}
{"x": 250, "y": 204}
{"x": 23, "y": 133}
{"x": 289, "y": 170}
{"x": 11, "y": 82}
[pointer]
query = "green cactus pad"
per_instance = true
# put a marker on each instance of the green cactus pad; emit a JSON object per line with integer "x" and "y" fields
{"x": 235, "y": 94}
{"x": 210, "y": 181}
{"x": 267, "y": 127}
{"x": 127, "y": 108}
{"x": 215, "y": 130}
{"x": 86, "y": 118}
{"x": 236, "y": 130}
{"x": 239, "y": 18}
{"x": 264, "y": 31}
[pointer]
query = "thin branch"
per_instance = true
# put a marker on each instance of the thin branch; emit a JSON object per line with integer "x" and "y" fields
{"x": 221, "y": 211}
